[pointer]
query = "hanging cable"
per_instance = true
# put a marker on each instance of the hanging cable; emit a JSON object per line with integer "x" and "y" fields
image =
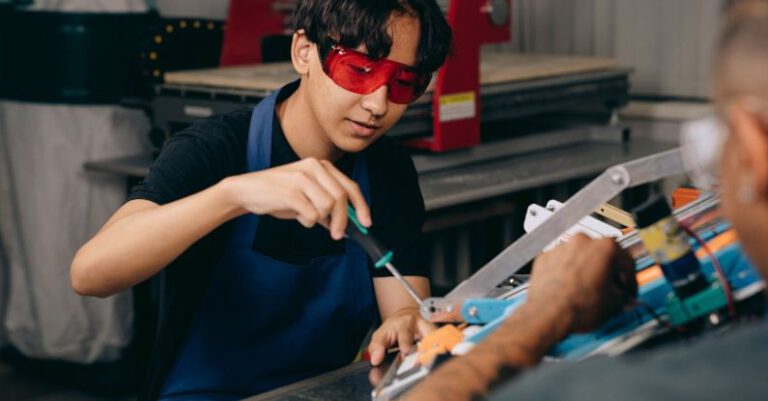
{"x": 720, "y": 273}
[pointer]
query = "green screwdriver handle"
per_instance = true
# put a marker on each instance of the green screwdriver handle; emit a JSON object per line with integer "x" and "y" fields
{"x": 379, "y": 254}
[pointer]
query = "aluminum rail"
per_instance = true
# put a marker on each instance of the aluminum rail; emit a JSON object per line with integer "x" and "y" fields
{"x": 602, "y": 189}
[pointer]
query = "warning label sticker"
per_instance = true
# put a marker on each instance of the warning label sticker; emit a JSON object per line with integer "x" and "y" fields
{"x": 457, "y": 106}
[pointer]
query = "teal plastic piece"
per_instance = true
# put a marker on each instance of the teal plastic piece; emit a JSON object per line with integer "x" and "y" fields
{"x": 486, "y": 310}
{"x": 353, "y": 216}
{"x": 698, "y": 305}
{"x": 384, "y": 260}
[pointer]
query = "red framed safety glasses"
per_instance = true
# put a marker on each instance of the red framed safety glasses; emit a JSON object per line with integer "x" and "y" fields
{"x": 358, "y": 73}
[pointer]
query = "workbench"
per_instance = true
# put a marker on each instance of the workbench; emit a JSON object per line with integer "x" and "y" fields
{"x": 350, "y": 383}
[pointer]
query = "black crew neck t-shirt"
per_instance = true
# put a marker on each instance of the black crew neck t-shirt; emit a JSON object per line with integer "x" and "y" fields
{"x": 202, "y": 155}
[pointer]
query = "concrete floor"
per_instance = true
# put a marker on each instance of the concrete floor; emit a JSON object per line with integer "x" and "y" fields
{"x": 16, "y": 386}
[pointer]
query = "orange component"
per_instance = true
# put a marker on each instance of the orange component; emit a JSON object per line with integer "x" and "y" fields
{"x": 718, "y": 243}
{"x": 425, "y": 358}
{"x": 439, "y": 342}
{"x": 647, "y": 275}
{"x": 684, "y": 196}
{"x": 445, "y": 337}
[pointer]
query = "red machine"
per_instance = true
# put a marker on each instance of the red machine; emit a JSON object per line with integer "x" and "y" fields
{"x": 456, "y": 97}
{"x": 248, "y": 22}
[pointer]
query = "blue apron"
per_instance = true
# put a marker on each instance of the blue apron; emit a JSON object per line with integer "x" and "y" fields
{"x": 264, "y": 323}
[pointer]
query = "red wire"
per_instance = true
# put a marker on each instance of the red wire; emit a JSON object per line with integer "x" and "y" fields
{"x": 718, "y": 269}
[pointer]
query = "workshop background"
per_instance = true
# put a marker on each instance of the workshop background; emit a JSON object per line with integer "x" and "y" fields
{"x": 84, "y": 106}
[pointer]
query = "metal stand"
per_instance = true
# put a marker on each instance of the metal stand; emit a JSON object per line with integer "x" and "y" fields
{"x": 604, "y": 188}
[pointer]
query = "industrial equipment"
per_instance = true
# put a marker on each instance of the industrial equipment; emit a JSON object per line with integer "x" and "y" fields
{"x": 488, "y": 297}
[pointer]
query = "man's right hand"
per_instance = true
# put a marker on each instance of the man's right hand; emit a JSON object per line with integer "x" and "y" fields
{"x": 574, "y": 287}
{"x": 311, "y": 191}
{"x": 589, "y": 279}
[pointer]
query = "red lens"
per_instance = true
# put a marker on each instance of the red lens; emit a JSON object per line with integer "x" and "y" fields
{"x": 356, "y": 72}
{"x": 406, "y": 86}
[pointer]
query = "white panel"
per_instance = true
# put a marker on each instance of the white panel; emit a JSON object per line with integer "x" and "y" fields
{"x": 90, "y": 5}
{"x": 210, "y": 9}
{"x": 50, "y": 207}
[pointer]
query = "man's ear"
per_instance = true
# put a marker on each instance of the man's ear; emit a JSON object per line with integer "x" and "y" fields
{"x": 301, "y": 50}
{"x": 752, "y": 139}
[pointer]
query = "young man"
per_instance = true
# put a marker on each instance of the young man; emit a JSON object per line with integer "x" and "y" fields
{"x": 256, "y": 294}
{"x": 571, "y": 288}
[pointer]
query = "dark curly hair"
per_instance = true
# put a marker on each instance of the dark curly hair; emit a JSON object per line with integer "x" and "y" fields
{"x": 351, "y": 23}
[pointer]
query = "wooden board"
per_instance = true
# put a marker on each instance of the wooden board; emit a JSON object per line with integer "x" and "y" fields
{"x": 250, "y": 77}
{"x": 499, "y": 68}
{"x": 495, "y": 68}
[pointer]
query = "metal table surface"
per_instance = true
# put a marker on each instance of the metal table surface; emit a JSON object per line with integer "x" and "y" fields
{"x": 350, "y": 383}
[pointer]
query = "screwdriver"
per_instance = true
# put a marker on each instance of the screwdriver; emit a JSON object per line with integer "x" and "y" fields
{"x": 379, "y": 254}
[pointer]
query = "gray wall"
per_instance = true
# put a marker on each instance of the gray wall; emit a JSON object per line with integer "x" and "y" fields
{"x": 668, "y": 42}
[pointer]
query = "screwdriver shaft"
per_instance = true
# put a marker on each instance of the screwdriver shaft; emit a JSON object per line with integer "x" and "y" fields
{"x": 405, "y": 284}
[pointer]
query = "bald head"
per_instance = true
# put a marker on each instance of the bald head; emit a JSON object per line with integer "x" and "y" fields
{"x": 741, "y": 93}
{"x": 741, "y": 65}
